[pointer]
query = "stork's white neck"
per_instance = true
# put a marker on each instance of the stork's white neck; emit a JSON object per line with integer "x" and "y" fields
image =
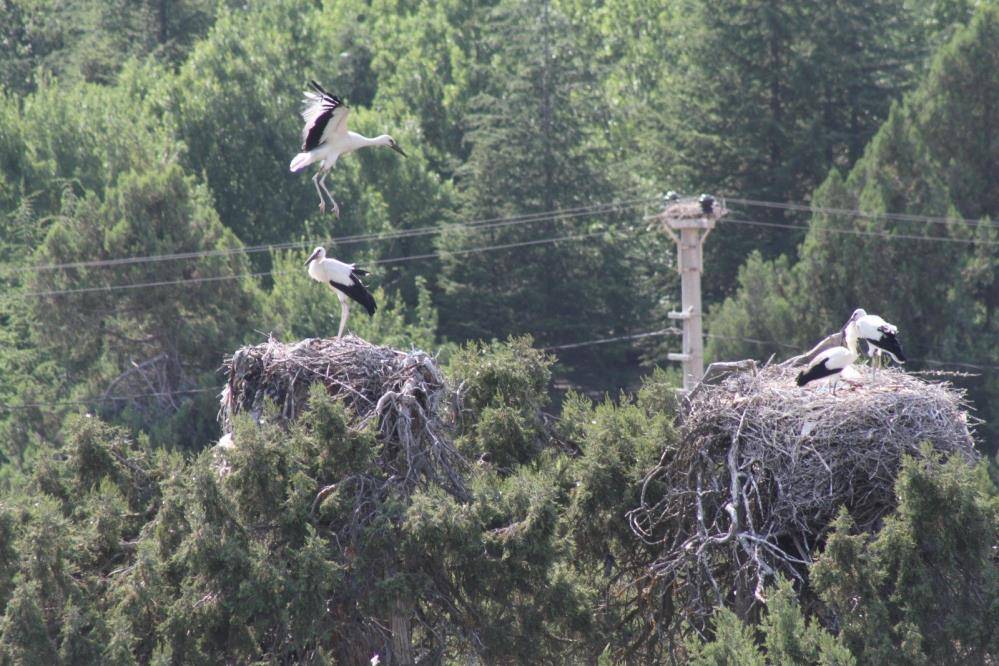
{"x": 852, "y": 336}
{"x": 361, "y": 141}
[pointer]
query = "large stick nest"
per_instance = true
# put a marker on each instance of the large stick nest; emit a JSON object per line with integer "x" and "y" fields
{"x": 404, "y": 393}
{"x": 763, "y": 466}
{"x": 689, "y": 208}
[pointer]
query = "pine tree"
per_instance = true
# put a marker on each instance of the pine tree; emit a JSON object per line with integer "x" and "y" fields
{"x": 527, "y": 156}
{"x": 158, "y": 343}
{"x": 925, "y": 589}
{"x": 775, "y": 94}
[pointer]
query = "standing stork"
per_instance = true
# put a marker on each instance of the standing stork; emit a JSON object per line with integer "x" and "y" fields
{"x": 881, "y": 337}
{"x": 344, "y": 279}
{"x": 325, "y": 138}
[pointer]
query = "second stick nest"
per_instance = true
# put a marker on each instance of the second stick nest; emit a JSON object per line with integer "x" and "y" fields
{"x": 763, "y": 466}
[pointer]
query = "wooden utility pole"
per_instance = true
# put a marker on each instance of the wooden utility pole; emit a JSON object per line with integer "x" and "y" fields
{"x": 688, "y": 222}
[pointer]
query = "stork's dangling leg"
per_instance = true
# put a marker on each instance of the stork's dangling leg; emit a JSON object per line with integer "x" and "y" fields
{"x": 319, "y": 191}
{"x": 322, "y": 184}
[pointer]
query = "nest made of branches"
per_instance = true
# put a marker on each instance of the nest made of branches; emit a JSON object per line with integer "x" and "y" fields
{"x": 404, "y": 393}
{"x": 763, "y": 466}
{"x": 689, "y": 208}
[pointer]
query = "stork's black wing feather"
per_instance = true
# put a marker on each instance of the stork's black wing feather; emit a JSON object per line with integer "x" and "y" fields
{"x": 358, "y": 292}
{"x": 317, "y": 114}
{"x": 319, "y": 89}
{"x": 314, "y": 133}
{"x": 817, "y": 371}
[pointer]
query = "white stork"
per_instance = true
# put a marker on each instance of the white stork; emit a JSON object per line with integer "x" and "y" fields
{"x": 344, "y": 279}
{"x": 832, "y": 361}
{"x": 325, "y": 138}
{"x": 879, "y": 335}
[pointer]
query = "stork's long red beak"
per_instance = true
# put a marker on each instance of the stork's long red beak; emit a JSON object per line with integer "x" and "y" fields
{"x": 311, "y": 257}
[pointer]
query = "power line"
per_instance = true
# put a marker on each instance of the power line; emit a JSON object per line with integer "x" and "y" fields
{"x": 241, "y": 276}
{"x": 602, "y": 341}
{"x": 505, "y": 221}
{"x": 675, "y": 331}
{"x": 977, "y": 366}
{"x": 899, "y": 217}
{"x": 859, "y": 232}
{"x": 443, "y": 254}
{"x": 752, "y": 340}
{"x": 573, "y": 345}
{"x": 110, "y": 398}
{"x": 487, "y": 223}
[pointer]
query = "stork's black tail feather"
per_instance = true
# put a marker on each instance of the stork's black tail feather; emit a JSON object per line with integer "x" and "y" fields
{"x": 890, "y": 344}
{"x": 318, "y": 88}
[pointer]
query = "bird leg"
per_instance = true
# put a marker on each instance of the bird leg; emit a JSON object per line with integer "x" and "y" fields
{"x": 322, "y": 184}
{"x": 322, "y": 202}
{"x": 344, "y": 313}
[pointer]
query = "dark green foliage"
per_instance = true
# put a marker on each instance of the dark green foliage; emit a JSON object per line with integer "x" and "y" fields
{"x": 90, "y": 39}
{"x": 733, "y": 644}
{"x": 510, "y": 375}
{"x": 788, "y": 638}
{"x": 24, "y": 638}
{"x": 779, "y": 93}
{"x": 618, "y": 444}
{"x": 135, "y": 342}
{"x": 8, "y": 555}
{"x": 527, "y": 143}
{"x": 262, "y": 551}
{"x": 926, "y": 587}
{"x": 503, "y": 389}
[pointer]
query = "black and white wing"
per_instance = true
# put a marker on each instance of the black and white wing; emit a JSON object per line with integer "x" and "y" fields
{"x": 817, "y": 371}
{"x": 325, "y": 116}
{"x": 357, "y": 290}
{"x": 828, "y": 363}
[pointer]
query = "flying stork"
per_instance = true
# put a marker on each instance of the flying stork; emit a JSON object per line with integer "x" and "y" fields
{"x": 344, "y": 279}
{"x": 832, "y": 361}
{"x": 325, "y": 138}
{"x": 879, "y": 335}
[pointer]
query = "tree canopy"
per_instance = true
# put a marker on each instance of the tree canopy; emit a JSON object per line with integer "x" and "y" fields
{"x": 150, "y": 227}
